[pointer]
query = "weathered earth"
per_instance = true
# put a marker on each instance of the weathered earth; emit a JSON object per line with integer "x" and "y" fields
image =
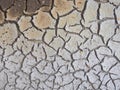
{"x": 59, "y": 44}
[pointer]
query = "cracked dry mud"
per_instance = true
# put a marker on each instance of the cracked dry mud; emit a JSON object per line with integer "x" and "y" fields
{"x": 59, "y": 44}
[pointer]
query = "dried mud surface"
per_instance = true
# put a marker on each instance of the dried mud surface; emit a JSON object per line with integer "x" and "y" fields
{"x": 59, "y": 44}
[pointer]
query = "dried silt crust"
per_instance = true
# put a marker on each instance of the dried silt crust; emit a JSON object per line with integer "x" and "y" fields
{"x": 59, "y": 44}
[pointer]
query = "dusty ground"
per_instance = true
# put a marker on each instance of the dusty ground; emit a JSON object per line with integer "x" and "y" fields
{"x": 59, "y": 44}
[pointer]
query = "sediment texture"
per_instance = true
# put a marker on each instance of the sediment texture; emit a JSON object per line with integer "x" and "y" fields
{"x": 59, "y": 44}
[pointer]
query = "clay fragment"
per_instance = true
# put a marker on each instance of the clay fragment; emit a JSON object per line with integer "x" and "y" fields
{"x": 5, "y": 4}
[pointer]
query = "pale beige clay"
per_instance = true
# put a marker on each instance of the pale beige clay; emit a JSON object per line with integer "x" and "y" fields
{"x": 59, "y": 45}
{"x": 1, "y": 17}
{"x": 42, "y": 20}
{"x": 8, "y": 34}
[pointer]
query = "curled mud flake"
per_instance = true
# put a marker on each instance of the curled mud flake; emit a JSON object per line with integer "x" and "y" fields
{"x": 8, "y": 33}
{"x": 32, "y": 6}
{"x": 16, "y": 10}
{"x": 42, "y": 20}
{"x": 6, "y": 4}
{"x": 1, "y": 17}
